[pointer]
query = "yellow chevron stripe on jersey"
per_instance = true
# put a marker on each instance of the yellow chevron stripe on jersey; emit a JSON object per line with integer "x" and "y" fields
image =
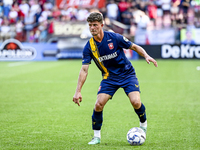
{"x": 95, "y": 53}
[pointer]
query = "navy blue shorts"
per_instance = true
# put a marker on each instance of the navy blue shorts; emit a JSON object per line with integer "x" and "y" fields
{"x": 110, "y": 86}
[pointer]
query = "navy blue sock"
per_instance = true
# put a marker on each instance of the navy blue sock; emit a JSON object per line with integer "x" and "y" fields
{"x": 97, "y": 119}
{"x": 141, "y": 112}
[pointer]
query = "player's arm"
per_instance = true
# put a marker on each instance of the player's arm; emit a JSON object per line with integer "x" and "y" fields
{"x": 144, "y": 54}
{"x": 81, "y": 80}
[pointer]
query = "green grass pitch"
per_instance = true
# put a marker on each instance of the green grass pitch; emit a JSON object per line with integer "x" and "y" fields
{"x": 37, "y": 112}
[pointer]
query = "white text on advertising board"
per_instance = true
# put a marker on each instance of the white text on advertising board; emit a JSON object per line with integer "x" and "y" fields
{"x": 61, "y": 28}
{"x": 182, "y": 51}
{"x": 12, "y": 49}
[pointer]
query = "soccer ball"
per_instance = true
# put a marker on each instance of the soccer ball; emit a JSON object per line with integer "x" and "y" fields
{"x": 136, "y": 136}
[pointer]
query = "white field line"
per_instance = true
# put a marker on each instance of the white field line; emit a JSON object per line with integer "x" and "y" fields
{"x": 18, "y": 64}
{"x": 169, "y": 81}
{"x": 47, "y": 81}
{"x": 98, "y": 81}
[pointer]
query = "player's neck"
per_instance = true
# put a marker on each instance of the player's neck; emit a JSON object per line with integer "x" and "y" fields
{"x": 99, "y": 37}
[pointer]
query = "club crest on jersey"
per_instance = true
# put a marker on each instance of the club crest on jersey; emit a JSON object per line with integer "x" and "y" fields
{"x": 111, "y": 46}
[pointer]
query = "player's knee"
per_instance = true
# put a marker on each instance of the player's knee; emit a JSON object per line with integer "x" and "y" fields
{"x": 99, "y": 106}
{"x": 136, "y": 104}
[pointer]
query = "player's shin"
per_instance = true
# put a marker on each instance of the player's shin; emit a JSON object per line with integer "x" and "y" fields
{"x": 141, "y": 112}
{"x": 97, "y": 119}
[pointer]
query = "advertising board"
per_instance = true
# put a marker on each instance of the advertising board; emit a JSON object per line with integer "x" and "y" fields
{"x": 167, "y": 51}
{"x": 14, "y": 50}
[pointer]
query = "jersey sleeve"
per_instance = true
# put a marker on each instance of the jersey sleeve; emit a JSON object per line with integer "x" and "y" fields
{"x": 86, "y": 55}
{"x": 123, "y": 41}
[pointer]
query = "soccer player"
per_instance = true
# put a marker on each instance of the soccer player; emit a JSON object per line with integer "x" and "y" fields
{"x": 106, "y": 49}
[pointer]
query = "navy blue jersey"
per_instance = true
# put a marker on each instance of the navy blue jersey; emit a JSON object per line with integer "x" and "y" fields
{"x": 109, "y": 55}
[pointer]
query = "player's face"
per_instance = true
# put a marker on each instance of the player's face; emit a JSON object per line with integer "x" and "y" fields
{"x": 95, "y": 27}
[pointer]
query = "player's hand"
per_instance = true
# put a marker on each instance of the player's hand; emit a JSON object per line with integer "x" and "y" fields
{"x": 77, "y": 98}
{"x": 150, "y": 59}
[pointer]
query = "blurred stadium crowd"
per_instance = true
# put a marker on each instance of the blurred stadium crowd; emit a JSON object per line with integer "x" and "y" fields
{"x": 32, "y": 20}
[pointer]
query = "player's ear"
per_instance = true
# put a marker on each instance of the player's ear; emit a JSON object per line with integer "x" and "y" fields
{"x": 102, "y": 25}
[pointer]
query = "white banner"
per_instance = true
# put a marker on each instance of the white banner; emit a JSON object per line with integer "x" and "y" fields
{"x": 155, "y": 37}
{"x": 72, "y": 29}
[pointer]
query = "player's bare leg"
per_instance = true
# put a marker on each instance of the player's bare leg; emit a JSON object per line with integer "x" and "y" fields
{"x": 102, "y": 99}
{"x": 97, "y": 117}
{"x": 139, "y": 108}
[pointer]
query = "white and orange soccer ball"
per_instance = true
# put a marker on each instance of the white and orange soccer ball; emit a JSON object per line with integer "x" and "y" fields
{"x": 136, "y": 136}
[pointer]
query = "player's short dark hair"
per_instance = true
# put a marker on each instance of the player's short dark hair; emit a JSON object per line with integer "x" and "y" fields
{"x": 95, "y": 16}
